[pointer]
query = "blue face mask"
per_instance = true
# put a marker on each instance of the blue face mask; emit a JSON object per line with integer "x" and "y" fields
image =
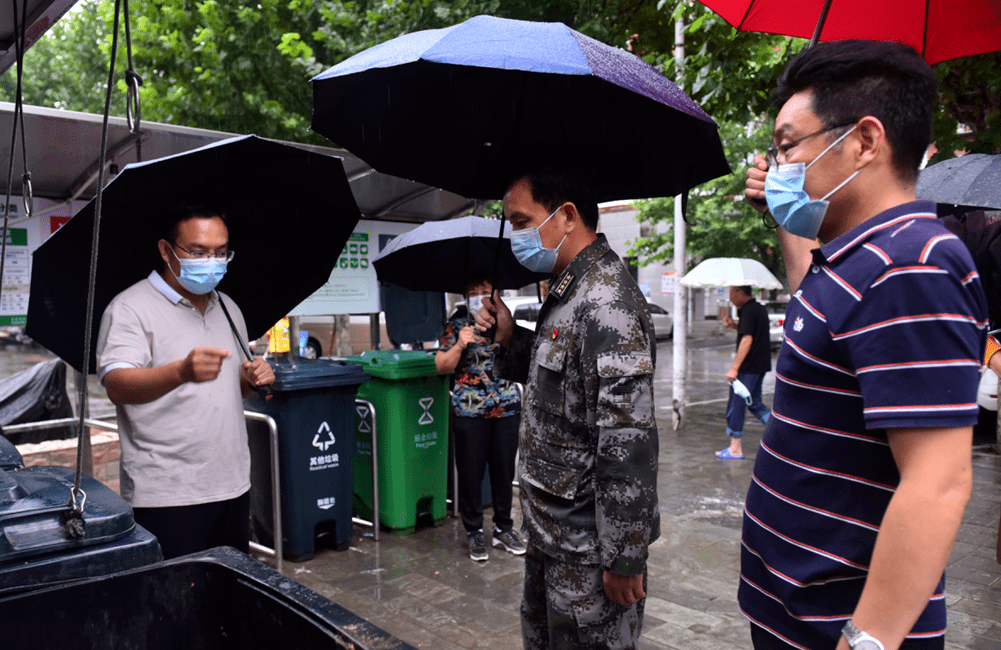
{"x": 199, "y": 276}
{"x": 791, "y": 207}
{"x": 526, "y": 244}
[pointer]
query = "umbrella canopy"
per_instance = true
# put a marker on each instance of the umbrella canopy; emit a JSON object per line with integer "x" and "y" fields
{"x": 938, "y": 30}
{"x": 446, "y": 255}
{"x": 289, "y": 211}
{"x": 970, "y": 180}
{"x": 468, "y": 107}
{"x": 731, "y": 272}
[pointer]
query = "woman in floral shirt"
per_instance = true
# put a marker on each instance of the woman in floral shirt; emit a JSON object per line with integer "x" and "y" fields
{"x": 486, "y": 413}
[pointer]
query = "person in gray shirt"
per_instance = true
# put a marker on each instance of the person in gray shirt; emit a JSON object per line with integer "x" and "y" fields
{"x": 170, "y": 362}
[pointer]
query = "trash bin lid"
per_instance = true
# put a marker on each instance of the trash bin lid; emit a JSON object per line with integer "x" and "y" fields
{"x": 10, "y": 457}
{"x": 33, "y": 501}
{"x": 316, "y": 373}
{"x": 398, "y": 364}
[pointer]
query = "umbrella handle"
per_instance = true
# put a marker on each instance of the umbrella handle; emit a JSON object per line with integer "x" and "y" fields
{"x": 264, "y": 391}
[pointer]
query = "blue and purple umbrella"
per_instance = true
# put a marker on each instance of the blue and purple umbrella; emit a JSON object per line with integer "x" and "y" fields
{"x": 468, "y": 107}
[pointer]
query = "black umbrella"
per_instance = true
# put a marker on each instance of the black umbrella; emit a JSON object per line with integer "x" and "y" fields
{"x": 468, "y": 107}
{"x": 971, "y": 180}
{"x": 290, "y": 212}
{"x": 446, "y": 255}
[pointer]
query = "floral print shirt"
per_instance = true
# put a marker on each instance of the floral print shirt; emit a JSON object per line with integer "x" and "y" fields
{"x": 476, "y": 393}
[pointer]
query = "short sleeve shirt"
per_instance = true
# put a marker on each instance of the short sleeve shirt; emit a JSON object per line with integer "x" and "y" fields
{"x": 189, "y": 446}
{"x": 885, "y": 331}
{"x": 753, "y": 320}
{"x": 477, "y": 393}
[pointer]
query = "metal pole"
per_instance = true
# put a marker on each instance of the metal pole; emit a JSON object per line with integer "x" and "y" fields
{"x": 680, "y": 292}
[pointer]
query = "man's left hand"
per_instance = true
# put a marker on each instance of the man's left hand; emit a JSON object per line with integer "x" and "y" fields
{"x": 624, "y": 590}
{"x": 257, "y": 372}
{"x": 731, "y": 375}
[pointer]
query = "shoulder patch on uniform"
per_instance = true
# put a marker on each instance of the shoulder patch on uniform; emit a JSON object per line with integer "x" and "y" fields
{"x": 565, "y": 283}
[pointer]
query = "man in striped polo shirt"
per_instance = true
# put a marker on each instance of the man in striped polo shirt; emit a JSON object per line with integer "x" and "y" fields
{"x": 864, "y": 471}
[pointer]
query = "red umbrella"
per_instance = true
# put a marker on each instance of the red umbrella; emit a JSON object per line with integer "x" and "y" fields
{"x": 938, "y": 30}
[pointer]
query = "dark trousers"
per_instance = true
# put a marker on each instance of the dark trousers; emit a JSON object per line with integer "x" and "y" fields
{"x": 564, "y": 607}
{"x": 479, "y": 442}
{"x": 188, "y": 529}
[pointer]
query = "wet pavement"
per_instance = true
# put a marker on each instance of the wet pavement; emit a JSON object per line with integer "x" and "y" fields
{"x": 424, "y": 589}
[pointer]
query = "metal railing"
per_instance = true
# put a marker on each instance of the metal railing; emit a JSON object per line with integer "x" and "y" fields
{"x": 250, "y": 415}
{"x": 276, "y": 501}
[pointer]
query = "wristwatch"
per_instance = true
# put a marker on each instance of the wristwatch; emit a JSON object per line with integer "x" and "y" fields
{"x": 859, "y": 640}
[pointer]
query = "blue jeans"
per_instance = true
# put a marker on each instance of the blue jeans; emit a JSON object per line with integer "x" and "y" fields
{"x": 735, "y": 407}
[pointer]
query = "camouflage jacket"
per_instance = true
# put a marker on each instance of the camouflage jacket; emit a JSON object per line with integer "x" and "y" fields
{"x": 588, "y": 440}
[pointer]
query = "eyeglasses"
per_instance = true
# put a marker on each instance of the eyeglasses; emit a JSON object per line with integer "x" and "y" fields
{"x": 773, "y": 150}
{"x": 206, "y": 255}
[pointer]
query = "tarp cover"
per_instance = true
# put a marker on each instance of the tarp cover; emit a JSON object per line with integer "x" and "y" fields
{"x": 35, "y": 395}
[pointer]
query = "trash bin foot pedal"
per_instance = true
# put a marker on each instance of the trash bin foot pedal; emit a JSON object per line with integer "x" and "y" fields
{"x": 299, "y": 557}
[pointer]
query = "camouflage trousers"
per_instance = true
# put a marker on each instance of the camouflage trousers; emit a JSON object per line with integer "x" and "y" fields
{"x": 564, "y": 607}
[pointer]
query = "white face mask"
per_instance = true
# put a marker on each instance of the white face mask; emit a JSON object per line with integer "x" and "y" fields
{"x": 474, "y": 304}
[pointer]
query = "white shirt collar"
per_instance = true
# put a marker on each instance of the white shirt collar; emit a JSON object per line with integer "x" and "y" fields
{"x": 168, "y": 291}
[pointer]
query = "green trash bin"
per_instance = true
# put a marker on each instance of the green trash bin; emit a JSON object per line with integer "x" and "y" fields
{"x": 411, "y": 402}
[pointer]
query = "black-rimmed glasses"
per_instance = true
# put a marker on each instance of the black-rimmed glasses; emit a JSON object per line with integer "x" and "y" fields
{"x": 226, "y": 256}
{"x": 773, "y": 150}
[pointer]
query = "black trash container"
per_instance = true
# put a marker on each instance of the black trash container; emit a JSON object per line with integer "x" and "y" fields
{"x": 313, "y": 404}
{"x": 216, "y": 600}
{"x": 35, "y": 549}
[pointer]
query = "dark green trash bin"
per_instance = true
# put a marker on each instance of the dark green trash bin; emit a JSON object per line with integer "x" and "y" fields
{"x": 411, "y": 402}
{"x": 313, "y": 404}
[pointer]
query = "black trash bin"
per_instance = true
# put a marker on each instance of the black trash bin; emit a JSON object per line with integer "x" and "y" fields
{"x": 313, "y": 404}
{"x": 218, "y": 599}
{"x": 35, "y": 549}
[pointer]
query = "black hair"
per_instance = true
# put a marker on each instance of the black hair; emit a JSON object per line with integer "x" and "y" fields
{"x": 552, "y": 187}
{"x": 746, "y": 289}
{"x": 174, "y": 215}
{"x": 854, "y": 78}
{"x": 476, "y": 279}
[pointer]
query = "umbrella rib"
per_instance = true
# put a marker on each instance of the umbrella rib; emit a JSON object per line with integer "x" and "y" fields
{"x": 747, "y": 13}
{"x": 820, "y": 23}
{"x": 924, "y": 36}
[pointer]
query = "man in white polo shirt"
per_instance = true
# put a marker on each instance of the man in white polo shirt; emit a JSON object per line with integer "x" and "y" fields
{"x": 170, "y": 362}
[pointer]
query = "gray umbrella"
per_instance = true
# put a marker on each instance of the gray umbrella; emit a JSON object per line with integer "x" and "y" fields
{"x": 970, "y": 180}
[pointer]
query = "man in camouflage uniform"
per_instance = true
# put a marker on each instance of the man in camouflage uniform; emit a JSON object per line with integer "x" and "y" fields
{"x": 588, "y": 439}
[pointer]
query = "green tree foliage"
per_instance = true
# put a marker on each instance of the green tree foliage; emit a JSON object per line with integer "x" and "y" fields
{"x": 232, "y": 66}
{"x": 731, "y": 75}
{"x": 68, "y": 67}
{"x": 720, "y": 221}
{"x": 970, "y": 90}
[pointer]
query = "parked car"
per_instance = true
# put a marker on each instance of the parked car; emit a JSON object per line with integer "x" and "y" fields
{"x": 663, "y": 322}
{"x": 526, "y": 314}
{"x": 776, "y": 320}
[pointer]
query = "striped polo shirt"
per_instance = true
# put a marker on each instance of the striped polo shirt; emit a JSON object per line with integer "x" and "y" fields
{"x": 886, "y": 330}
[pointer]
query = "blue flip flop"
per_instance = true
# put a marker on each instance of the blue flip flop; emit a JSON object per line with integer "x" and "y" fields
{"x": 726, "y": 454}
